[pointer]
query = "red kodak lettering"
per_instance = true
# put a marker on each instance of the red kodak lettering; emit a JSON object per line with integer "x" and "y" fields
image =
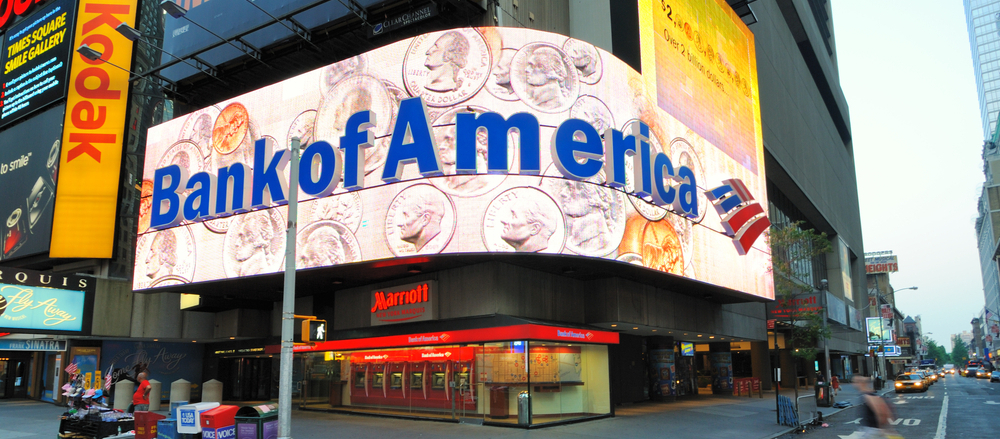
{"x": 105, "y": 16}
{"x": 86, "y": 141}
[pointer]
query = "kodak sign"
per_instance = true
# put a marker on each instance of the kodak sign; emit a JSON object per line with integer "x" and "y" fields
{"x": 96, "y": 110}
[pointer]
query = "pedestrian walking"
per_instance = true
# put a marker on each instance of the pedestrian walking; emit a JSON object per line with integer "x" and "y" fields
{"x": 875, "y": 413}
{"x": 835, "y": 383}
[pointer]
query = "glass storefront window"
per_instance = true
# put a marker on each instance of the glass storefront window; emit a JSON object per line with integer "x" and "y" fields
{"x": 479, "y": 381}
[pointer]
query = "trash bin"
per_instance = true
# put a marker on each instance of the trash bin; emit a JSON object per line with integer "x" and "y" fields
{"x": 524, "y": 408}
{"x": 189, "y": 416}
{"x": 166, "y": 428}
{"x": 823, "y": 396}
{"x": 219, "y": 423}
{"x": 257, "y": 422}
{"x": 145, "y": 424}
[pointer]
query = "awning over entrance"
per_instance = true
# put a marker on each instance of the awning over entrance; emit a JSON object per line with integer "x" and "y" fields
{"x": 502, "y": 333}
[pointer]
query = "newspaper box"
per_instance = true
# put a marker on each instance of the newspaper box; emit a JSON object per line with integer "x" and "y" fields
{"x": 166, "y": 428}
{"x": 219, "y": 423}
{"x": 189, "y": 416}
{"x": 257, "y": 422}
{"x": 145, "y": 424}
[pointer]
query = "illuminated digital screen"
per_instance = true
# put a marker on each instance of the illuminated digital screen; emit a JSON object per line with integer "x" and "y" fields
{"x": 687, "y": 349}
{"x": 35, "y": 61}
{"x": 29, "y": 169}
{"x": 499, "y": 70}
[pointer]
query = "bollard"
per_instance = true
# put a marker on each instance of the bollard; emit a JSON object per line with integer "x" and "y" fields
{"x": 155, "y": 390}
{"x": 211, "y": 391}
{"x": 180, "y": 390}
{"x": 123, "y": 394}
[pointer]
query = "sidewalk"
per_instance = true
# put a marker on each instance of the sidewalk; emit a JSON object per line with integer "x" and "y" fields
{"x": 700, "y": 416}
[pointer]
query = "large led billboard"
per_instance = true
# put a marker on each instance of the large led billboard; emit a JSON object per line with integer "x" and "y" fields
{"x": 29, "y": 168}
{"x": 464, "y": 195}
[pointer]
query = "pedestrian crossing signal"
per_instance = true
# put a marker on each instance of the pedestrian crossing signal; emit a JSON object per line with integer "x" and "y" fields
{"x": 314, "y": 331}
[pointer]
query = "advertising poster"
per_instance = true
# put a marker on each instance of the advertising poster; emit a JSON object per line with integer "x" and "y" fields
{"x": 879, "y": 330}
{"x": 722, "y": 371}
{"x": 33, "y": 302}
{"x": 35, "y": 60}
{"x": 87, "y": 359}
{"x": 400, "y": 212}
{"x": 662, "y": 364}
{"x": 167, "y": 362}
{"x": 29, "y": 166}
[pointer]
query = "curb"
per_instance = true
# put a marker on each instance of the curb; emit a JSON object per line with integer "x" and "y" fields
{"x": 789, "y": 430}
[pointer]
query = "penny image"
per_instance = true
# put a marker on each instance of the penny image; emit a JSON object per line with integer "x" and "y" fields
{"x": 302, "y": 127}
{"x": 230, "y": 129}
{"x": 467, "y": 185}
{"x": 326, "y": 243}
{"x": 524, "y": 219}
{"x": 344, "y": 208}
{"x": 544, "y": 77}
{"x": 145, "y": 205}
{"x": 334, "y": 73}
{"x": 242, "y": 154}
{"x": 586, "y": 58}
{"x": 651, "y": 244}
{"x": 198, "y": 128}
{"x": 254, "y": 243}
{"x": 594, "y": 214}
{"x": 168, "y": 253}
{"x": 420, "y": 220}
{"x": 445, "y": 68}
{"x": 499, "y": 83}
{"x": 349, "y": 96}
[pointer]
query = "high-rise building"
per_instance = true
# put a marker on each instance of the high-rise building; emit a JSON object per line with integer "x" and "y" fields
{"x": 984, "y": 39}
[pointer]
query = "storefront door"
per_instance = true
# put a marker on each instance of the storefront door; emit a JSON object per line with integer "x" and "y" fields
{"x": 14, "y": 378}
{"x": 247, "y": 379}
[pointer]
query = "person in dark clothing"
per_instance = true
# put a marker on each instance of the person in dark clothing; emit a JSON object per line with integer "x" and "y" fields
{"x": 875, "y": 413}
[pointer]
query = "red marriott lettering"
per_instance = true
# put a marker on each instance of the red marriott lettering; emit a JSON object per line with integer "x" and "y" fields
{"x": 384, "y": 301}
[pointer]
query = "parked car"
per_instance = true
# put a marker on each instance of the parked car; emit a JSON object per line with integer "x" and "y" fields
{"x": 912, "y": 382}
{"x": 995, "y": 376}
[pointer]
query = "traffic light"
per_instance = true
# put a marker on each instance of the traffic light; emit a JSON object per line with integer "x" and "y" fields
{"x": 314, "y": 331}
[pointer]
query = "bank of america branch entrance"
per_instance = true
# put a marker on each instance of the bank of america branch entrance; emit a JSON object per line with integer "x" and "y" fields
{"x": 493, "y": 374}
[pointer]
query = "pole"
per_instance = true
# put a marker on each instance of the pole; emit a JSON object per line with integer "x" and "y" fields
{"x": 774, "y": 372}
{"x": 288, "y": 300}
{"x": 826, "y": 326}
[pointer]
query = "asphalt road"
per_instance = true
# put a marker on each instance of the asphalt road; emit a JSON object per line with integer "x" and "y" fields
{"x": 955, "y": 407}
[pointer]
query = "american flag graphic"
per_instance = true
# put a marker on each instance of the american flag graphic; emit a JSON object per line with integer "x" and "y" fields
{"x": 742, "y": 217}
{"x": 72, "y": 369}
{"x": 108, "y": 378}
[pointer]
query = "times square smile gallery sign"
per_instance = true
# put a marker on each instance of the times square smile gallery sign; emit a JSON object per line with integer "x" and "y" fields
{"x": 578, "y": 151}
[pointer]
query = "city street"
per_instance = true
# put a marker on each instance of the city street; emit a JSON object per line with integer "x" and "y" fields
{"x": 969, "y": 406}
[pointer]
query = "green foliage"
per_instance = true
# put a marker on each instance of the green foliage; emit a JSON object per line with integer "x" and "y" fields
{"x": 792, "y": 252}
{"x": 938, "y": 353}
{"x": 959, "y": 351}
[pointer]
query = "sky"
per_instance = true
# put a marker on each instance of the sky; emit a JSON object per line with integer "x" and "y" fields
{"x": 906, "y": 70}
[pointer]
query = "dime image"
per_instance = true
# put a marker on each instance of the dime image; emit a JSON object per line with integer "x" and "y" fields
{"x": 230, "y": 129}
{"x": 593, "y": 111}
{"x": 445, "y": 68}
{"x": 163, "y": 254}
{"x": 544, "y": 77}
{"x": 336, "y": 72}
{"x": 326, "y": 243}
{"x": 344, "y": 208}
{"x": 220, "y": 224}
{"x": 645, "y": 208}
{"x": 302, "y": 127}
{"x": 594, "y": 214}
{"x": 254, "y": 243}
{"x": 524, "y": 219}
{"x": 184, "y": 154}
{"x": 587, "y": 60}
{"x": 145, "y": 205}
{"x": 198, "y": 128}
{"x": 467, "y": 185}
{"x": 349, "y": 96}
{"x": 499, "y": 83}
{"x": 420, "y": 220}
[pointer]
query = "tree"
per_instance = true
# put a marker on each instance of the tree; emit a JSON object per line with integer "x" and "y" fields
{"x": 959, "y": 351}
{"x": 792, "y": 253}
{"x": 937, "y": 352}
